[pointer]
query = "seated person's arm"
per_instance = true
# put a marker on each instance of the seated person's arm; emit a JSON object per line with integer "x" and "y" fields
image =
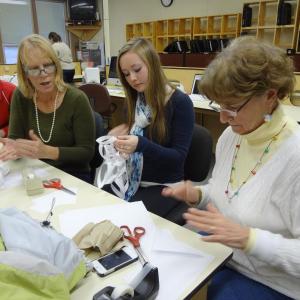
{"x": 180, "y": 132}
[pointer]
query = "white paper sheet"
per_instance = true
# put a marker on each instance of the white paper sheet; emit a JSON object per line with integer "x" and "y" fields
{"x": 43, "y": 204}
{"x": 182, "y": 262}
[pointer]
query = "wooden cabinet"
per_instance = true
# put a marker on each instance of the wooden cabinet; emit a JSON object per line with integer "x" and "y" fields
{"x": 146, "y": 30}
{"x": 266, "y": 24}
{"x": 221, "y": 26}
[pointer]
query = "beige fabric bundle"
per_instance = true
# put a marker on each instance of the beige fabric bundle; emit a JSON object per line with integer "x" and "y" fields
{"x": 102, "y": 236}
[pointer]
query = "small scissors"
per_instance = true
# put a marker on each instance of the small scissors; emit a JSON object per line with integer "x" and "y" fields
{"x": 55, "y": 183}
{"x": 134, "y": 239}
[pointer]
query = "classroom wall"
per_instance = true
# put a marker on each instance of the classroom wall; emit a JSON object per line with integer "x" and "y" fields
{"x": 122, "y": 12}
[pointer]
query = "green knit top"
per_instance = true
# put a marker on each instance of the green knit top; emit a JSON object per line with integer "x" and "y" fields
{"x": 73, "y": 132}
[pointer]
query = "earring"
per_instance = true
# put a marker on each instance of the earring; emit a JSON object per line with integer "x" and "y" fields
{"x": 267, "y": 118}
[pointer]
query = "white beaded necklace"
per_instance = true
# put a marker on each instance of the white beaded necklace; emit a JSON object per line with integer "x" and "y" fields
{"x": 37, "y": 119}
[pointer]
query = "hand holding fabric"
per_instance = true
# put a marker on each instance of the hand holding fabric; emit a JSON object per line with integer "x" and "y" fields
{"x": 126, "y": 143}
{"x": 222, "y": 230}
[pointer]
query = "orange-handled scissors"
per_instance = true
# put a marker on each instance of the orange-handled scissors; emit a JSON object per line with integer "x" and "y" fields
{"x": 55, "y": 183}
{"x": 134, "y": 238}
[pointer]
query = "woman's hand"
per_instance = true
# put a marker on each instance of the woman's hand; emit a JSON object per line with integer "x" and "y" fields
{"x": 122, "y": 129}
{"x": 126, "y": 144}
{"x": 33, "y": 148}
{"x": 2, "y": 133}
{"x": 30, "y": 148}
{"x": 221, "y": 229}
{"x": 8, "y": 149}
{"x": 184, "y": 191}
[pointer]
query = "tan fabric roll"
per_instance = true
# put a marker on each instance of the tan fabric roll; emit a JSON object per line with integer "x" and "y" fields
{"x": 102, "y": 236}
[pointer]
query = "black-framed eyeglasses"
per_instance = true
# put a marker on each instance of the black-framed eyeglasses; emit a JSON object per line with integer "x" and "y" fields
{"x": 35, "y": 72}
{"x": 232, "y": 112}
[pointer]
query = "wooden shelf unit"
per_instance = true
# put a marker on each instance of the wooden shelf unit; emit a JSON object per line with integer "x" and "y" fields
{"x": 264, "y": 23}
{"x": 146, "y": 30}
{"x": 170, "y": 30}
{"x": 220, "y": 26}
{"x": 164, "y": 32}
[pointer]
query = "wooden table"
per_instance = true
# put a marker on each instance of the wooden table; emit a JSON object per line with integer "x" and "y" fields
{"x": 90, "y": 196}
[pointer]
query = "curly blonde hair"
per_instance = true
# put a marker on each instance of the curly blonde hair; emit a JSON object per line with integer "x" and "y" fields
{"x": 155, "y": 93}
{"x": 246, "y": 68}
{"x": 35, "y": 41}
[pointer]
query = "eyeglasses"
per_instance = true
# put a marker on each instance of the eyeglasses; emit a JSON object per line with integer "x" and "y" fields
{"x": 231, "y": 112}
{"x": 35, "y": 72}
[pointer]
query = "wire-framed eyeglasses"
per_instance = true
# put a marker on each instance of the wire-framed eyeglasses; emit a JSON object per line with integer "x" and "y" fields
{"x": 35, "y": 72}
{"x": 232, "y": 112}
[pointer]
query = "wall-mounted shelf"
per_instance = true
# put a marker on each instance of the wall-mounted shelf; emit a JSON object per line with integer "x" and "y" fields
{"x": 84, "y": 32}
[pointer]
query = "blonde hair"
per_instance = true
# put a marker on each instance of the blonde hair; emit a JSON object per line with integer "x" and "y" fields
{"x": 247, "y": 68}
{"x": 155, "y": 93}
{"x": 38, "y": 42}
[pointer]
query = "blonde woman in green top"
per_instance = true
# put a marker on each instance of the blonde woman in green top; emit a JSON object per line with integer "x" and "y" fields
{"x": 49, "y": 120}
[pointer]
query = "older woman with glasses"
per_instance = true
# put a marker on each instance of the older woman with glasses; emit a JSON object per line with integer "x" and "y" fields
{"x": 49, "y": 120}
{"x": 252, "y": 201}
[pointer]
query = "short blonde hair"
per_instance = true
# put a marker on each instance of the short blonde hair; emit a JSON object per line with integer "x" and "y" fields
{"x": 246, "y": 68}
{"x": 155, "y": 93}
{"x": 38, "y": 42}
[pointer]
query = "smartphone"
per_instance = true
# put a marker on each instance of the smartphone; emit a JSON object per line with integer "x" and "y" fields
{"x": 115, "y": 261}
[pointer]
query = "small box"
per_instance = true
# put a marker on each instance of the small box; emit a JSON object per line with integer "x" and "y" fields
{"x": 33, "y": 184}
{"x": 92, "y": 75}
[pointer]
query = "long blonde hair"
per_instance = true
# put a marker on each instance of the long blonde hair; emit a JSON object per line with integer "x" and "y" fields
{"x": 246, "y": 68}
{"x": 155, "y": 93}
{"x": 39, "y": 42}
